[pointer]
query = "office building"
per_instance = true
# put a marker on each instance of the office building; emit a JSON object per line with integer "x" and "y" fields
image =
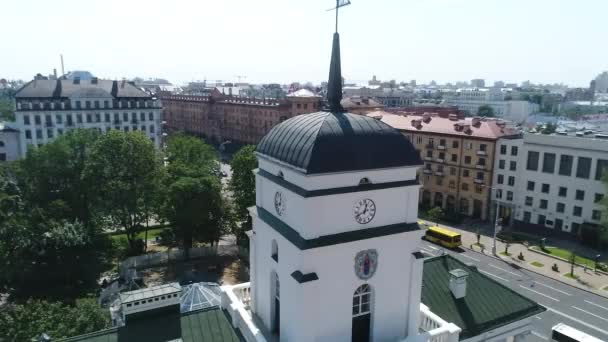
{"x": 551, "y": 183}
{"x": 48, "y": 108}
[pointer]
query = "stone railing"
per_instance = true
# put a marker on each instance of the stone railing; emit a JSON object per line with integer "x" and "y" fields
{"x": 236, "y": 300}
{"x": 434, "y": 329}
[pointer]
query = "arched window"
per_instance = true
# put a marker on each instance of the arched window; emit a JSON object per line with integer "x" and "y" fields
{"x": 362, "y": 309}
{"x": 276, "y": 302}
{"x": 275, "y": 251}
{"x": 365, "y": 181}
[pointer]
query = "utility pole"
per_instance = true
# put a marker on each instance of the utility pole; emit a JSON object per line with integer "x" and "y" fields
{"x": 496, "y": 227}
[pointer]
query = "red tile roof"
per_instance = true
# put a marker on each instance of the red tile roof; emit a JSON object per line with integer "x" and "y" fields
{"x": 488, "y": 128}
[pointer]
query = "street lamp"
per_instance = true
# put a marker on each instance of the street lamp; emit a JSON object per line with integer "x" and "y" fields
{"x": 497, "y": 223}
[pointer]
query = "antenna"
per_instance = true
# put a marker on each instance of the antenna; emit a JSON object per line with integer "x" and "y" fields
{"x": 62, "y": 69}
{"x": 339, "y": 3}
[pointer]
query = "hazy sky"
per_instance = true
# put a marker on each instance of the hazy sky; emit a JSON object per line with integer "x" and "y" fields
{"x": 288, "y": 40}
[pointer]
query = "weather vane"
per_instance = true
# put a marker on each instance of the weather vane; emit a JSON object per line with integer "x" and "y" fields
{"x": 339, "y": 3}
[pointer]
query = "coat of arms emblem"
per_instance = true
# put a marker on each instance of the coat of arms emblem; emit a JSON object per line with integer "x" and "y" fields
{"x": 366, "y": 263}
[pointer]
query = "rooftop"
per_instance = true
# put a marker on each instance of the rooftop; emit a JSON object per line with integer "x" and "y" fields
{"x": 487, "y": 304}
{"x": 207, "y": 325}
{"x": 150, "y": 292}
{"x": 302, "y": 93}
{"x": 83, "y": 88}
{"x": 326, "y": 142}
{"x": 488, "y": 128}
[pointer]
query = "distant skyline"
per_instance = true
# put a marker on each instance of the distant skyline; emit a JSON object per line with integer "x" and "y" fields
{"x": 282, "y": 41}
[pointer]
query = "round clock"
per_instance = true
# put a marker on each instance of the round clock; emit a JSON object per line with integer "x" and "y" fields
{"x": 279, "y": 203}
{"x": 364, "y": 210}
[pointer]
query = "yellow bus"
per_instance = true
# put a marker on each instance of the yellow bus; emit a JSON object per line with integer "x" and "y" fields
{"x": 442, "y": 236}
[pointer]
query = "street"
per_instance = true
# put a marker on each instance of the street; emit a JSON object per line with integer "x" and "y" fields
{"x": 580, "y": 309}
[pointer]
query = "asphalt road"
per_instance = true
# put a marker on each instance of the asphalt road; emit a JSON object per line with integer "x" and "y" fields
{"x": 565, "y": 304}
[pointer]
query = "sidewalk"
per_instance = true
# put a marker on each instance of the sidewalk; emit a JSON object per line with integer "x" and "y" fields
{"x": 589, "y": 280}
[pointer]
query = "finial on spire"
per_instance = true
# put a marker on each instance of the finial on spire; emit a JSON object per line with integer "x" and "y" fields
{"x": 334, "y": 84}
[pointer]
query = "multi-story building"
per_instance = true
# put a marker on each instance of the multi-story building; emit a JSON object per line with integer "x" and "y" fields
{"x": 9, "y": 143}
{"x": 516, "y": 111}
{"x": 550, "y": 183}
{"x": 219, "y": 117}
{"x": 46, "y": 109}
{"x": 458, "y": 157}
{"x": 478, "y": 83}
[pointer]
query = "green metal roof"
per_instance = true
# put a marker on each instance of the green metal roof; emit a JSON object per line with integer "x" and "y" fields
{"x": 209, "y": 325}
{"x": 487, "y": 304}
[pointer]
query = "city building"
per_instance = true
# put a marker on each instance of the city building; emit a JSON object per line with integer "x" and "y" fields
{"x": 513, "y": 110}
{"x": 220, "y": 117}
{"x": 458, "y": 157}
{"x": 334, "y": 251}
{"x": 10, "y": 149}
{"x": 551, "y": 183}
{"x": 361, "y": 105}
{"x": 601, "y": 82}
{"x": 478, "y": 83}
{"x": 48, "y": 108}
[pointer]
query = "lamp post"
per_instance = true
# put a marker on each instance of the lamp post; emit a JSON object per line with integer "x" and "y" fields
{"x": 497, "y": 223}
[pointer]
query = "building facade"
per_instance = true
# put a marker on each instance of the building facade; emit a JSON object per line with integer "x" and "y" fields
{"x": 48, "y": 108}
{"x": 515, "y": 110}
{"x": 458, "y": 157}
{"x": 227, "y": 118}
{"x": 551, "y": 183}
{"x": 10, "y": 149}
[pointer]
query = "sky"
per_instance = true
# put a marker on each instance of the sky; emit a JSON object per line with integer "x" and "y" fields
{"x": 544, "y": 41}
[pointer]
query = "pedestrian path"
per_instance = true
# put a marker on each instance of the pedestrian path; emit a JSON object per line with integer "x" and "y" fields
{"x": 536, "y": 262}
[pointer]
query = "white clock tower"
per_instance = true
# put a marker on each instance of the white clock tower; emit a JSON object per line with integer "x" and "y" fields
{"x": 334, "y": 241}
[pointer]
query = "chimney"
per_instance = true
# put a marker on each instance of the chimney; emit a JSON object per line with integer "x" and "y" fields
{"x": 426, "y": 117}
{"x": 458, "y": 283}
{"x": 476, "y": 121}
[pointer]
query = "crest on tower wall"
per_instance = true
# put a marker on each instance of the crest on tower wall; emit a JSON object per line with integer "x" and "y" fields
{"x": 366, "y": 263}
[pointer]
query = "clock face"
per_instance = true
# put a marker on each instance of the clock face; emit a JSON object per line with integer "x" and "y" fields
{"x": 279, "y": 203}
{"x": 364, "y": 210}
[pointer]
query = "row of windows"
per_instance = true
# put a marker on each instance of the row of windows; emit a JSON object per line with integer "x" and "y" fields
{"x": 503, "y": 150}
{"x": 561, "y": 208}
{"x": 454, "y": 158}
{"x": 566, "y": 163}
{"x": 455, "y": 144}
{"x": 155, "y": 299}
{"x": 480, "y": 175}
{"x": 51, "y": 134}
{"x": 96, "y": 117}
{"x": 512, "y": 165}
{"x": 95, "y": 104}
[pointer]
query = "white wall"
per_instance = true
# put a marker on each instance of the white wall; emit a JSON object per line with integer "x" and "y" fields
{"x": 11, "y": 147}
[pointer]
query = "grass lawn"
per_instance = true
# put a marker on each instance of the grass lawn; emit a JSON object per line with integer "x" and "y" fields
{"x": 571, "y": 276}
{"x": 152, "y": 233}
{"x": 605, "y": 288}
{"x": 565, "y": 254}
{"x": 537, "y": 264}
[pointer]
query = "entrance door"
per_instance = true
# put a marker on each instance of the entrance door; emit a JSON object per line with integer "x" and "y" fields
{"x": 362, "y": 314}
{"x": 277, "y": 305}
{"x": 477, "y": 205}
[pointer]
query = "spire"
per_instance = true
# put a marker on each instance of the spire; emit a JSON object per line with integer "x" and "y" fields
{"x": 334, "y": 85}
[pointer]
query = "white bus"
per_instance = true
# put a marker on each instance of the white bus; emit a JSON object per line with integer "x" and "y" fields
{"x": 566, "y": 333}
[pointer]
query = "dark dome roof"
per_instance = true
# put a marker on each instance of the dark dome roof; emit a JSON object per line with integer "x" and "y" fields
{"x": 334, "y": 142}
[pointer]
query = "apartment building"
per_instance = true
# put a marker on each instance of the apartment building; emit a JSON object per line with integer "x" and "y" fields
{"x": 219, "y": 117}
{"x": 46, "y": 109}
{"x": 458, "y": 157}
{"x": 551, "y": 183}
{"x": 9, "y": 143}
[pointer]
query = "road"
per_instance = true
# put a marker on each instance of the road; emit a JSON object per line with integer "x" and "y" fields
{"x": 580, "y": 309}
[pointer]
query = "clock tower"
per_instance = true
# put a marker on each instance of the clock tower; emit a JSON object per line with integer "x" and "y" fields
{"x": 333, "y": 250}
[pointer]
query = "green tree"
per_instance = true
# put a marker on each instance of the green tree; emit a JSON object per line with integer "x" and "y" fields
{"x": 127, "y": 171}
{"x": 22, "y": 322}
{"x": 194, "y": 210}
{"x": 572, "y": 259}
{"x": 6, "y": 110}
{"x": 192, "y": 156}
{"x": 242, "y": 185}
{"x": 435, "y": 214}
{"x": 549, "y": 128}
{"x": 52, "y": 177}
{"x": 485, "y": 110}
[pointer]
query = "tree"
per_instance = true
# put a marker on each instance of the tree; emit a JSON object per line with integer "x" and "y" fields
{"x": 194, "y": 210}
{"x": 242, "y": 185}
{"x": 6, "y": 110}
{"x": 127, "y": 171}
{"x": 572, "y": 260}
{"x": 549, "y": 128}
{"x": 190, "y": 155}
{"x": 485, "y": 110}
{"x": 22, "y": 322}
{"x": 52, "y": 177}
{"x": 435, "y": 214}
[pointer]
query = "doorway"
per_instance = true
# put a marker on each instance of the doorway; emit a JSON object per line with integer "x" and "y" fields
{"x": 362, "y": 314}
